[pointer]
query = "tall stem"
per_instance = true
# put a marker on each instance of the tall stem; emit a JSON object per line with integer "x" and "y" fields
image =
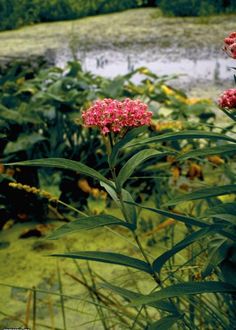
{"x": 118, "y": 190}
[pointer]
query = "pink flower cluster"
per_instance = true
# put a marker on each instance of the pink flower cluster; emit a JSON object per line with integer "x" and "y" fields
{"x": 112, "y": 115}
{"x": 230, "y": 45}
{"x": 228, "y": 99}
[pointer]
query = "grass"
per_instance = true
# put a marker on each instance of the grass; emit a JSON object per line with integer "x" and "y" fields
{"x": 129, "y": 29}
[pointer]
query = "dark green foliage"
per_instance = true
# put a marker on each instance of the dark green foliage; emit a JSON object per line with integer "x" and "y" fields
{"x": 15, "y": 13}
{"x": 196, "y": 7}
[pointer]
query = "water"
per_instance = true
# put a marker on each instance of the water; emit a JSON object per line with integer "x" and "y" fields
{"x": 207, "y": 68}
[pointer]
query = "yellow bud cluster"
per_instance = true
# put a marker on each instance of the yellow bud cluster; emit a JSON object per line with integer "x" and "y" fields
{"x": 33, "y": 190}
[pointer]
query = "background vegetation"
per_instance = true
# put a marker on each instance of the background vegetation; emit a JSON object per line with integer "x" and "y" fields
{"x": 16, "y": 13}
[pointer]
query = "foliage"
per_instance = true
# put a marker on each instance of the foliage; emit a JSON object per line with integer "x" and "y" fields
{"x": 169, "y": 170}
{"x": 39, "y": 106}
{"x": 196, "y": 7}
{"x": 16, "y": 13}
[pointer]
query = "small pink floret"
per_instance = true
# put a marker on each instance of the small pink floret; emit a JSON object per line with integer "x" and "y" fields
{"x": 228, "y": 99}
{"x": 112, "y": 115}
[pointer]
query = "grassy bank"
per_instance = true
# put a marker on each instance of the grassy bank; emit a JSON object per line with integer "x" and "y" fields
{"x": 132, "y": 29}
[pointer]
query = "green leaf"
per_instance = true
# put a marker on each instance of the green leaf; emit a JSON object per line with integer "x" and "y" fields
{"x": 164, "y": 323}
{"x": 130, "y": 295}
{"x": 205, "y": 193}
{"x": 228, "y": 272}
{"x": 18, "y": 117}
{"x": 183, "y": 135}
{"x": 66, "y": 164}
{"x": 129, "y": 167}
{"x": 228, "y": 148}
{"x": 190, "y": 239}
{"x": 127, "y": 138}
{"x": 217, "y": 254}
{"x": 130, "y": 210}
{"x": 23, "y": 142}
{"x": 226, "y": 217}
{"x": 108, "y": 257}
{"x": 87, "y": 223}
{"x": 229, "y": 208}
{"x": 182, "y": 218}
{"x": 182, "y": 289}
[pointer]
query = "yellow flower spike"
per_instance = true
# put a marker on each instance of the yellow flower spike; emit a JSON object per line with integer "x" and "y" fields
{"x": 33, "y": 190}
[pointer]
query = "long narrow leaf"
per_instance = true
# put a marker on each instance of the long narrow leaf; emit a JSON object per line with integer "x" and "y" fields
{"x": 164, "y": 323}
{"x": 190, "y": 239}
{"x": 216, "y": 256}
{"x": 127, "y": 138}
{"x": 189, "y": 288}
{"x": 87, "y": 223}
{"x": 130, "y": 209}
{"x": 229, "y": 208}
{"x": 205, "y": 193}
{"x": 130, "y": 295}
{"x": 65, "y": 164}
{"x": 208, "y": 151}
{"x": 107, "y": 257}
{"x": 182, "y": 136}
{"x": 129, "y": 167}
{"x": 179, "y": 217}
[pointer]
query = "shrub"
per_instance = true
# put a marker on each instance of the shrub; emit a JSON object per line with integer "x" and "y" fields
{"x": 191, "y": 7}
{"x": 16, "y": 13}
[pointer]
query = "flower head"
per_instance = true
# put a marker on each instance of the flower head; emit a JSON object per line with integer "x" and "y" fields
{"x": 230, "y": 45}
{"x": 112, "y": 115}
{"x": 228, "y": 99}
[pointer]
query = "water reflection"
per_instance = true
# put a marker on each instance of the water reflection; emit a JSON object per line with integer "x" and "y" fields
{"x": 210, "y": 69}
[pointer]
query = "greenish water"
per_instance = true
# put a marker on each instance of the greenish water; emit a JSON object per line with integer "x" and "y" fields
{"x": 26, "y": 264}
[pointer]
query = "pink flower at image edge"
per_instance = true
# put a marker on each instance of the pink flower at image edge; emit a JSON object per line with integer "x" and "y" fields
{"x": 228, "y": 99}
{"x": 111, "y": 115}
{"x": 230, "y": 45}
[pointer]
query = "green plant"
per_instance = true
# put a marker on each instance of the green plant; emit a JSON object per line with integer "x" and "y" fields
{"x": 167, "y": 290}
{"x": 191, "y": 8}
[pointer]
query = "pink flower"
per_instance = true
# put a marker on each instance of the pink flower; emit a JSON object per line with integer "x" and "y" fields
{"x": 112, "y": 115}
{"x": 228, "y": 99}
{"x": 230, "y": 45}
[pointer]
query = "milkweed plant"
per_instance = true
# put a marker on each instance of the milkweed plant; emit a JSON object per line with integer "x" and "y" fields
{"x": 207, "y": 301}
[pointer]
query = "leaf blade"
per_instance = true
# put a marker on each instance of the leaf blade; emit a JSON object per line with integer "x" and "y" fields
{"x": 129, "y": 167}
{"x": 204, "y": 193}
{"x": 87, "y": 223}
{"x": 159, "y": 262}
{"x": 191, "y": 134}
{"x": 208, "y": 151}
{"x": 189, "y": 288}
{"x": 108, "y": 257}
{"x": 67, "y": 164}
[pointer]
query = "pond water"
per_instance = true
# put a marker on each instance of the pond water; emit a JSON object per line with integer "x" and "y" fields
{"x": 210, "y": 69}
